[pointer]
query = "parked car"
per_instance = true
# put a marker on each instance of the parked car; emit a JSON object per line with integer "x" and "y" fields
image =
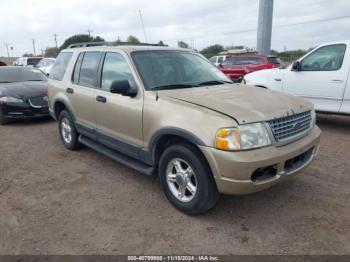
{"x": 170, "y": 111}
{"x": 45, "y": 65}
{"x": 27, "y": 61}
{"x": 321, "y": 76}
{"x": 236, "y": 67}
{"x": 218, "y": 59}
{"x": 22, "y": 93}
{"x": 2, "y": 63}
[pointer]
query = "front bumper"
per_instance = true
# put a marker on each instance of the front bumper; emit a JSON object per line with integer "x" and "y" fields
{"x": 22, "y": 111}
{"x": 234, "y": 171}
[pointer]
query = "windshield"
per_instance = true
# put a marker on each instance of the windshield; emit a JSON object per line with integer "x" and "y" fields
{"x": 20, "y": 74}
{"x": 176, "y": 69}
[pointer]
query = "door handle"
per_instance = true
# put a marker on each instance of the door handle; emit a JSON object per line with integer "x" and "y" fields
{"x": 70, "y": 90}
{"x": 337, "y": 81}
{"x": 278, "y": 79}
{"x": 101, "y": 99}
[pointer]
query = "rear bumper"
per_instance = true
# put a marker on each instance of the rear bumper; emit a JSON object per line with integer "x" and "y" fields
{"x": 22, "y": 111}
{"x": 235, "y": 172}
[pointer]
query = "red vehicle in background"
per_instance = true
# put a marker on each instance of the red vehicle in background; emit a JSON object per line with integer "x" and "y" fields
{"x": 236, "y": 67}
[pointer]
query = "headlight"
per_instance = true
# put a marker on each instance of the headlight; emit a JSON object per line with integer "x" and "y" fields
{"x": 313, "y": 117}
{"x": 10, "y": 99}
{"x": 242, "y": 138}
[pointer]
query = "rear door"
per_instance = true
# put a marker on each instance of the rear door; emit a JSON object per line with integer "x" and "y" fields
{"x": 322, "y": 77}
{"x": 119, "y": 118}
{"x": 81, "y": 91}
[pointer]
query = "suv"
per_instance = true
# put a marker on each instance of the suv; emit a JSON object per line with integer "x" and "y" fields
{"x": 169, "y": 111}
{"x": 27, "y": 61}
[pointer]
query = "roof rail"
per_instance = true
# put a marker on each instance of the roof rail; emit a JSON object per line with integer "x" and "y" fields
{"x": 87, "y": 44}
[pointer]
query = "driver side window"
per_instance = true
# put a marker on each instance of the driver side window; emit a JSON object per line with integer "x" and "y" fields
{"x": 326, "y": 58}
{"x": 115, "y": 68}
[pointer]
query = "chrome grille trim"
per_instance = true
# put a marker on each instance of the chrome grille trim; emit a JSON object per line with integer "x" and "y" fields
{"x": 287, "y": 128}
{"x": 38, "y": 102}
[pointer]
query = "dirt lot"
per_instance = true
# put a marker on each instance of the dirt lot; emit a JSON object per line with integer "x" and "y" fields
{"x": 54, "y": 201}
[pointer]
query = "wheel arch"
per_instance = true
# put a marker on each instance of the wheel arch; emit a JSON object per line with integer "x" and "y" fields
{"x": 60, "y": 105}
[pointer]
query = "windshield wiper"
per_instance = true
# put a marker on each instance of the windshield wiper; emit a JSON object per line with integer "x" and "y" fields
{"x": 214, "y": 82}
{"x": 174, "y": 86}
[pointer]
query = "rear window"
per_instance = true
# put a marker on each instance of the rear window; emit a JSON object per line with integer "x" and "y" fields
{"x": 59, "y": 68}
{"x": 33, "y": 61}
{"x": 274, "y": 60}
{"x": 89, "y": 68}
{"x": 244, "y": 60}
{"x": 20, "y": 74}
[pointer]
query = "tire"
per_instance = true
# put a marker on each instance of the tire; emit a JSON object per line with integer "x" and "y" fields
{"x": 3, "y": 120}
{"x": 68, "y": 132}
{"x": 200, "y": 180}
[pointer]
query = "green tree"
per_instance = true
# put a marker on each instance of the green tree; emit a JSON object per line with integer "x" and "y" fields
{"x": 75, "y": 39}
{"x": 132, "y": 40}
{"x": 212, "y": 50}
{"x": 182, "y": 44}
{"x": 51, "y": 52}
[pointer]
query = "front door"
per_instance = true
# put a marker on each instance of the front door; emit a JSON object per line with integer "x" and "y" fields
{"x": 119, "y": 118}
{"x": 321, "y": 79}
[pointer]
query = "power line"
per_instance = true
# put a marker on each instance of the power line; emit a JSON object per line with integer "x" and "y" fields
{"x": 254, "y": 29}
{"x": 89, "y": 31}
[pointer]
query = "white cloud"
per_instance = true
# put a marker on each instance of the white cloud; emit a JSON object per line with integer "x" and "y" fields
{"x": 204, "y": 22}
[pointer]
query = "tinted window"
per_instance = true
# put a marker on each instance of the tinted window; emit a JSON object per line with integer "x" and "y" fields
{"x": 75, "y": 77}
{"x": 244, "y": 60}
{"x": 20, "y": 74}
{"x": 89, "y": 68}
{"x": 274, "y": 60}
{"x": 326, "y": 58}
{"x": 33, "y": 61}
{"x": 220, "y": 59}
{"x": 115, "y": 68}
{"x": 59, "y": 68}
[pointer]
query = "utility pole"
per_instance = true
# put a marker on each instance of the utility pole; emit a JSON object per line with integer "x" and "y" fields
{"x": 143, "y": 26}
{"x": 34, "y": 47}
{"x": 89, "y": 31}
{"x": 55, "y": 37}
{"x": 7, "y": 49}
{"x": 265, "y": 26}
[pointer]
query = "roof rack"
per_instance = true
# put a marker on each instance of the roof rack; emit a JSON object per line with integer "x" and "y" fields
{"x": 87, "y": 44}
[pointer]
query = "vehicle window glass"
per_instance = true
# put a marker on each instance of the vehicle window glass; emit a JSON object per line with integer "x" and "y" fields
{"x": 326, "y": 58}
{"x": 246, "y": 60}
{"x": 33, "y": 61}
{"x": 213, "y": 59}
{"x": 59, "y": 68}
{"x": 220, "y": 60}
{"x": 20, "y": 74}
{"x": 115, "y": 68}
{"x": 75, "y": 77}
{"x": 274, "y": 60}
{"x": 161, "y": 69}
{"x": 89, "y": 68}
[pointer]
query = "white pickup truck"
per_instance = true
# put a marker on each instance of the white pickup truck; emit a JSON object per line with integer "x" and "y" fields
{"x": 320, "y": 76}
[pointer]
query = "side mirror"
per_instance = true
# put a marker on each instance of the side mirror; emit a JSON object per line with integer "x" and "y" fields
{"x": 220, "y": 65}
{"x": 296, "y": 66}
{"x": 123, "y": 88}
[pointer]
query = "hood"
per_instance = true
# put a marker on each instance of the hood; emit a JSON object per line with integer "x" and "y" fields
{"x": 244, "y": 103}
{"x": 23, "y": 90}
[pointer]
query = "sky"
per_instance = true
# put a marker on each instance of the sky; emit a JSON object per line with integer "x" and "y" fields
{"x": 198, "y": 22}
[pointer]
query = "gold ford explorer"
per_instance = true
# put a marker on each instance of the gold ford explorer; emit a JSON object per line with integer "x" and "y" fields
{"x": 169, "y": 111}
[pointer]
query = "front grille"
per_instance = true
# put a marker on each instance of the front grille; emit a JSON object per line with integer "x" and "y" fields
{"x": 287, "y": 127}
{"x": 38, "y": 101}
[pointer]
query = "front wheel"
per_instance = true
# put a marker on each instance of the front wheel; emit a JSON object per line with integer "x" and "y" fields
{"x": 187, "y": 180}
{"x": 68, "y": 133}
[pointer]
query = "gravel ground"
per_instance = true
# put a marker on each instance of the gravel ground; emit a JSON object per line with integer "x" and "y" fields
{"x": 54, "y": 201}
